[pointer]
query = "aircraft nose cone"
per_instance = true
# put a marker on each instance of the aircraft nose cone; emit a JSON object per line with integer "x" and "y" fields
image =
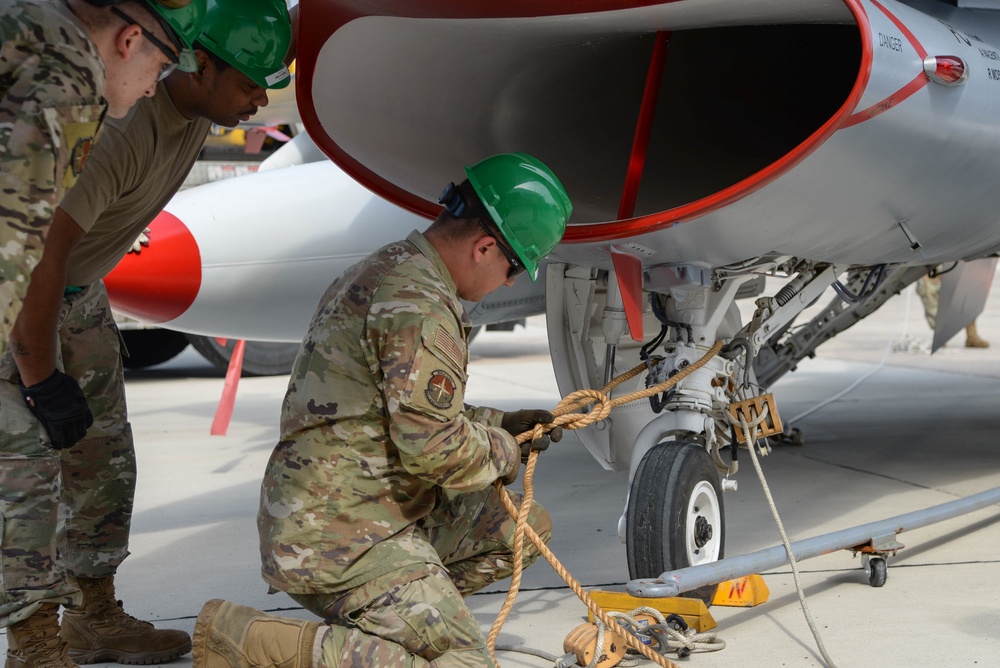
{"x": 160, "y": 283}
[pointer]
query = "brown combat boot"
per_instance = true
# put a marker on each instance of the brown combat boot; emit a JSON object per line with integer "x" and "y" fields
{"x": 100, "y": 630}
{"x": 228, "y": 635}
{"x": 972, "y": 339}
{"x": 35, "y": 642}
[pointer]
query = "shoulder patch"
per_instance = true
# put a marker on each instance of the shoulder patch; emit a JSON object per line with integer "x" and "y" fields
{"x": 78, "y": 155}
{"x": 73, "y": 131}
{"x": 440, "y": 390}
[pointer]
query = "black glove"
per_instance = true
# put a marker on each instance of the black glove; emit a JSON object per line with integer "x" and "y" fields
{"x": 60, "y": 406}
{"x": 518, "y": 422}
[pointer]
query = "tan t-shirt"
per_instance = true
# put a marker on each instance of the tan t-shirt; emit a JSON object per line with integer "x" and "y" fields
{"x": 132, "y": 172}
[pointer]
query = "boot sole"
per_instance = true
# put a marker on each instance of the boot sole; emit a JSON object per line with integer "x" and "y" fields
{"x": 142, "y": 659}
{"x": 200, "y": 639}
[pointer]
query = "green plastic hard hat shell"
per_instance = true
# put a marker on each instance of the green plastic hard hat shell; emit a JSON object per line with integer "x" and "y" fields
{"x": 186, "y": 23}
{"x": 252, "y": 36}
{"x": 527, "y": 202}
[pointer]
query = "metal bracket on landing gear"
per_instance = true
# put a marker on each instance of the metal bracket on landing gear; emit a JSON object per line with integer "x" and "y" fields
{"x": 753, "y": 407}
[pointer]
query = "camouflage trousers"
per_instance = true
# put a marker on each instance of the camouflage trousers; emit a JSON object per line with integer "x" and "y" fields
{"x": 929, "y": 290}
{"x": 66, "y": 511}
{"x": 416, "y": 615}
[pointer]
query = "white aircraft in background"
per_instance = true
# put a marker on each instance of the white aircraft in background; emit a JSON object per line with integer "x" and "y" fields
{"x": 706, "y": 144}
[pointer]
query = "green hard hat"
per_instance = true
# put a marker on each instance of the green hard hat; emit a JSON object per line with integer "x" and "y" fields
{"x": 252, "y": 36}
{"x": 182, "y": 20}
{"x": 526, "y": 201}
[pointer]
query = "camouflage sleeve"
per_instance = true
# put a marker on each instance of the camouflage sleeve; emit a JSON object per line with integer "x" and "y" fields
{"x": 40, "y": 157}
{"x": 490, "y": 417}
{"x": 424, "y": 370}
{"x": 50, "y": 112}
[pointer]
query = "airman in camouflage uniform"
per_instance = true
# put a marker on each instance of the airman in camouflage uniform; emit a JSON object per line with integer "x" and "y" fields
{"x": 55, "y": 87}
{"x": 139, "y": 164}
{"x": 63, "y": 65}
{"x": 50, "y": 109}
{"x": 378, "y": 508}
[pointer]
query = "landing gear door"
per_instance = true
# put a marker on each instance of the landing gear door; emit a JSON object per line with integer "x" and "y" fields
{"x": 963, "y": 296}
{"x": 574, "y": 307}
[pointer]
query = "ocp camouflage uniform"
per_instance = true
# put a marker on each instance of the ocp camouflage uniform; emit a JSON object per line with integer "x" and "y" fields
{"x": 96, "y": 500}
{"x": 140, "y": 162}
{"x": 377, "y": 506}
{"x": 51, "y": 106}
{"x": 929, "y": 290}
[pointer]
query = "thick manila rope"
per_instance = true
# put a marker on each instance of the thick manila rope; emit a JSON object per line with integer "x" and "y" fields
{"x": 571, "y": 421}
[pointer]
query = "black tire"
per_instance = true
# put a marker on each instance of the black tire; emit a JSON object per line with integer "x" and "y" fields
{"x": 260, "y": 358}
{"x": 149, "y": 347}
{"x": 676, "y": 515}
{"x": 878, "y": 571}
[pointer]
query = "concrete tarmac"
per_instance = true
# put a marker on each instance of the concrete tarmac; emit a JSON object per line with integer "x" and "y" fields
{"x": 917, "y": 431}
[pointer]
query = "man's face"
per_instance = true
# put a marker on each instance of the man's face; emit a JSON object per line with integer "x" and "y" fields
{"x": 143, "y": 55}
{"x": 230, "y": 96}
{"x": 493, "y": 271}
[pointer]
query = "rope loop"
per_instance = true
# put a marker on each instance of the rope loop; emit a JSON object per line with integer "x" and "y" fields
{"x": 664, "y": 634}
{"x": 567, "y": 420}
{"x": 582, "y": 398}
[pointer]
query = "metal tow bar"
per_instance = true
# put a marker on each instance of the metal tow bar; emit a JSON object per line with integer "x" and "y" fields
{"x": 860, "y": 539}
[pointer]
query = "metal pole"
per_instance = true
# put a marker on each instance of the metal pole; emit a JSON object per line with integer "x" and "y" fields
{"x": 673, "y": 583}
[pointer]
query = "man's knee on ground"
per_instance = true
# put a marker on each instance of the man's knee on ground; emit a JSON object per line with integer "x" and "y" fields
{"x": 417, "y": 608}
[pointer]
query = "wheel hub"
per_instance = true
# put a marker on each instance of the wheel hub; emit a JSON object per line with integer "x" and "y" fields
{"x": 704, "y": 524}
{"x": 702, "y": 531}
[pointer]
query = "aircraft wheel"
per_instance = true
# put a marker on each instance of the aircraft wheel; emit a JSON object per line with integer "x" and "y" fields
{"x": 675, "y": 516}
{"x": 149, "y": 347}
{"x": 260, "y": 358}
{"x": 877, "y": 570}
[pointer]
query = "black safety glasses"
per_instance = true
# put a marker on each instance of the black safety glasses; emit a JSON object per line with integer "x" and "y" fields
{"x": 516, "y": 267}
{"x": 155, "y": 41}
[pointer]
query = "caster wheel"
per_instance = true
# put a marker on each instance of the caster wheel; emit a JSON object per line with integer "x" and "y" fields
{"x": 877, "y": 571}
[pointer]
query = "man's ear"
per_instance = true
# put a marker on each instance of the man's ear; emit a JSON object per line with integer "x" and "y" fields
{"x": 205, "y": 68}
{"x": 128, "y": 41}
{"x": 481, "y": 248}
{"x": 204, "y": 63}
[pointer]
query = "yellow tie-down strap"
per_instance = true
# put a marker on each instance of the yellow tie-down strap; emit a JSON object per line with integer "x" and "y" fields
{"x": 750, "y": 410}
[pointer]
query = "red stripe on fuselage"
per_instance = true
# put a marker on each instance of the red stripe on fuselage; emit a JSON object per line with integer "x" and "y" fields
{"x": 906, "y": 91}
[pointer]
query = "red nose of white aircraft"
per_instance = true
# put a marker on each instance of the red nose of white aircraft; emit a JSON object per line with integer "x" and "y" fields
{"x": 161, "y": 282}
{"x": 250, "y": 257}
